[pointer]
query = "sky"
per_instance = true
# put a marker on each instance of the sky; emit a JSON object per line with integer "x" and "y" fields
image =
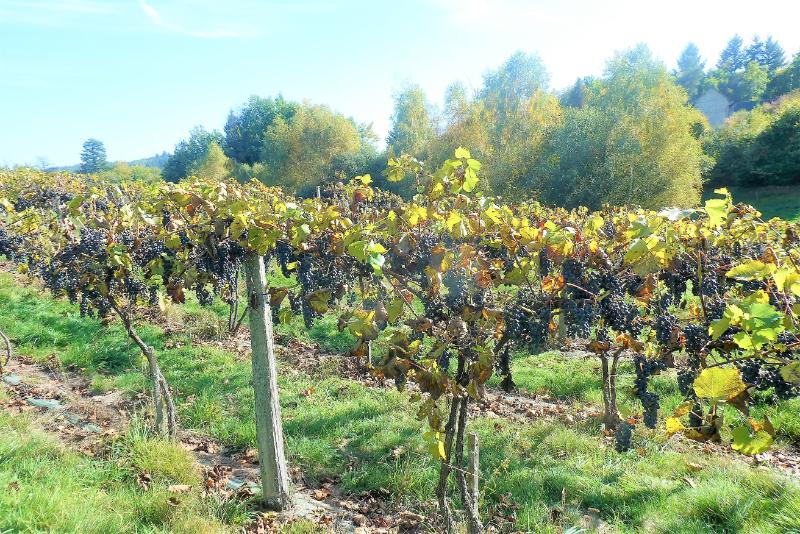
{"x": 139, "y": 74}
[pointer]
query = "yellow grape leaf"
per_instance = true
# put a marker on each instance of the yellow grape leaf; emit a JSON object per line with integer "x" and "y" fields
{"x": 674, "y": 425}
{"x": 718, "y": 384}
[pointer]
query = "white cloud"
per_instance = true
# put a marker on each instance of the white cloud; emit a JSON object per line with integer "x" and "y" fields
{"x": 153, "y": 14}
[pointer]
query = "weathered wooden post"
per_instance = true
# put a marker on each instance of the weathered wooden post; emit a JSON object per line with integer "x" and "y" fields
{"x": 473, "y": 468}
{"x": 269, "y": 428}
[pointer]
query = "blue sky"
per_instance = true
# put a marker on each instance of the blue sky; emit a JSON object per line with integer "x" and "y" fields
{"x": 138, "y": 74}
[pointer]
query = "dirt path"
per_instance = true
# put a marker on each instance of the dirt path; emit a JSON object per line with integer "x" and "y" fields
{"x": 62, "y": 404}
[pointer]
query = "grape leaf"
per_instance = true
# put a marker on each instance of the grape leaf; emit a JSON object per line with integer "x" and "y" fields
{"x": 718, "y": 384}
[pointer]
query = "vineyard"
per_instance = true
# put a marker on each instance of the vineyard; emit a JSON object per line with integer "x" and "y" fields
{"x": 686, "y": 323}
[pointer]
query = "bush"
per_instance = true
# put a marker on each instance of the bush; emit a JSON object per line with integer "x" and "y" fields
{"x": 760, "y": 147}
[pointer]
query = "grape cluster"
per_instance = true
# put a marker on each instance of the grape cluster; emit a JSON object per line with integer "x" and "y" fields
{"x": 412, "y": 263}
{"x": 623, "y": 436}
{"x": 42, "y": 198}
{"x": 695, "y": 338}
{"x": 322, "y": 269}
{"x": 11, "y": 246}
{"x": 665, "y": 325}
{"x": 620, "y": 315}
{"x": 645, "y": 368}
{"x": 527, "y": 320}
{"x": 763, "y": 376}
{"x": 504, "y": 370}
{"x": 580, "y": 316}
{"x": 457, "y": 296}
{"x": 687, "y": 374}
{"x": 218, "y": 264}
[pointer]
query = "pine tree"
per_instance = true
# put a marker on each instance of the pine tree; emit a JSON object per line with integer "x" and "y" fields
{"x": 755, "y": 51}
{"x": 733, "y": 57}
{"x": 93, "y": 157}
{"x": 690, "y": 71}
{"x": 773, "y": 55}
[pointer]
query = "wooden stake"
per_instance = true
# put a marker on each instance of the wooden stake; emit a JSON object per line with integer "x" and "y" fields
{"x": 474, "y": 467}
{"x": 269, "y": 429}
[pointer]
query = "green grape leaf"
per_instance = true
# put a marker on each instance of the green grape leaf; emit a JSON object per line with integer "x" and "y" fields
{"x": 718, "y": 208}
{"x": 751, "y": 444}
{"x": 749, "y": 270}
{"x": 470, "y": 180}
{"x": 319, "y": 300}
{"x": 719, "y": 327}
{"x": 787, "y": 281}
{"x": 791, "y": 373}
{"x": 462, "y": 153}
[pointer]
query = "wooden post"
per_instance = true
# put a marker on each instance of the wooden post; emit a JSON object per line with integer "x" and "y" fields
{"x": 269, "y": 429}
{"x": 473, "y": 468}
{"x": 319, "y": 192}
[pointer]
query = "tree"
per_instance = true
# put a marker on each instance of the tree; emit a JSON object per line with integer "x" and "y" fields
{"x": 773, "y": 55}
{"x": 785, "y": 80}
{"x": 511, "y": 86}
{"x": 755, "y": 51}
{"x": 633, "y": 142}
{"x": 125, "y": 172}
{"x": 732, "y": 57}
{"x": 245, "y": 130}
{"x": 748, "y": 85}
{"x": 215, "y": 165}
{"x": 577, "y": 95}
{"x": 690, "y": 71}
{"x": 759, "y": 147}
{"x": 455, "y": 102}
{"x": 93, "y": 157}
{"x": 298, "y": 152}
{"x": 189, "y": 154}
{"x": 769, "y": 54}
{"x": 412, "y": 125}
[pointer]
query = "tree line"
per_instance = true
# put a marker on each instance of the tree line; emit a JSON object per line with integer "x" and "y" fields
{"x": 630, "y": 135}
{"x": 753, "y": 73}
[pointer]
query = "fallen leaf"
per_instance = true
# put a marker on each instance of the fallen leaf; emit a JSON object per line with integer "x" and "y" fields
{"x": 694, "y": 467}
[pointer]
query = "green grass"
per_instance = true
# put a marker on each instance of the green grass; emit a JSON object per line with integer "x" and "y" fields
{"x": 46, "y": 488}
{"x": 783, "y": 201}
{"x": 369, "y": 438}
{"x": 577, "y": 378}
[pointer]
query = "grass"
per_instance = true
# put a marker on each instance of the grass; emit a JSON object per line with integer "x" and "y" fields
{"x": 547, "y": 473}
{"x": 577, "y": 378}
{"x": 776, "y": 201}
{"x": 47, "y": 488}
